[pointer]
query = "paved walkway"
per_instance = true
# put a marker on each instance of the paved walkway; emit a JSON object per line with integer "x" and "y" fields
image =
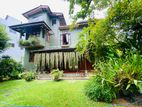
{"x": 65, "y": 77}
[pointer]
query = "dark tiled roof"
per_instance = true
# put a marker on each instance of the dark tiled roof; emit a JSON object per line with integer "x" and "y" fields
{"x": 45, "y": 8}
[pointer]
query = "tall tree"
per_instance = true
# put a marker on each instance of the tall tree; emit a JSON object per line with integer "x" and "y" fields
{"x": 120, "y": 30}
{"x": 87, "y": 6}
{"x": 3, "y": 38}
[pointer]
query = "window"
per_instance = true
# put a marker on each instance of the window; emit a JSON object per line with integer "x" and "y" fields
{"x": 11, "y": 45}
{"x": 53, "y": 21}
{"x": 48, "y": 37}
{"x": 31, "y": 57}
{"x": 65, "y": 39}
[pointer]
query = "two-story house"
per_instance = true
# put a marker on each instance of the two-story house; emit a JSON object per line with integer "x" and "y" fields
{"x": 49, "y": 43}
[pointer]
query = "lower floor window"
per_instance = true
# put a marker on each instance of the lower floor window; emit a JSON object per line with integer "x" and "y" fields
{"x": 31, "y": 57}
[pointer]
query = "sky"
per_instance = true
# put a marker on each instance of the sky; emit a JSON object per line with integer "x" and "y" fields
{"x": 15, "y": 8}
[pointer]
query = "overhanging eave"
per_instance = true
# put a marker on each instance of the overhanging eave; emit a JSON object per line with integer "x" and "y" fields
{"x": 22, "y": 28}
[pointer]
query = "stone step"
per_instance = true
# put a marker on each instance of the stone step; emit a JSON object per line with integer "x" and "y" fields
{"x": 66, "y": 76}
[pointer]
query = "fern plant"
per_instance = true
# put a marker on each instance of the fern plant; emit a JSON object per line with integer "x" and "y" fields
{"x": 116, "y": 78}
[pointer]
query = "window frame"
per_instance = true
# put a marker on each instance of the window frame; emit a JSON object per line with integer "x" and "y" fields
{"x": 54, "y": 21}
{"x": 31, "y": 57}
{"x": 68, "y": 39}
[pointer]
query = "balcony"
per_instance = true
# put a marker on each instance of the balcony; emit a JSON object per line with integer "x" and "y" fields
{"x": 33, "y": 42}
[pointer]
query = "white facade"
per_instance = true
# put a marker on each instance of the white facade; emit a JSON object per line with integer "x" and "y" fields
{"x": 55, "y": 41}
{"x": 14, "y": 51}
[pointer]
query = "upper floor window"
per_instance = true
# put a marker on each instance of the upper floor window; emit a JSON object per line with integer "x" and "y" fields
{"x": 53, "y": 21}
{"x": 65, "y": 39}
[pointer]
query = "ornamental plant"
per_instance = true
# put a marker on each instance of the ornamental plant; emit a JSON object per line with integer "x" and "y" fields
{"x": 56, "y": 74}
{"x": 32, "y": 40}
{"x": 9, "y": 68}
{"x": 116, "y": 78}
{"x": 28, "y": 75}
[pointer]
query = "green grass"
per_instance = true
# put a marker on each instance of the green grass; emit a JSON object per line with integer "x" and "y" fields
{"x": 45, "y": 93}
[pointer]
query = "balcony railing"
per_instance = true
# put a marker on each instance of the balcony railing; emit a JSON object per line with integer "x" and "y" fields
{"x": 32, "y": 42}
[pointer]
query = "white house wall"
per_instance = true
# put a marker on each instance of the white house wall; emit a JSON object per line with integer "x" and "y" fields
{"x": 55, "y": 38}
{"x": 74, "y": 36}
{"x": 40, "y": 17}
{"x": 15, "y": 52}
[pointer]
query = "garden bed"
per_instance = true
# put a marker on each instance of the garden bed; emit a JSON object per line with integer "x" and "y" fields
{"x": 126, "y": 102}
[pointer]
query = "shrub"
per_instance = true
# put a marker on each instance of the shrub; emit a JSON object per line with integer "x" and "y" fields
{"x": 28, "y": 75}
{"x": 9, "y": 68}
{"x": 33, "y": 40}
{"x": 100, "y": 90}
{"x": 56, "y": 74}
{"x": 24, "y": 43}
{"x": 129, "y": 76}
{"x": 116, "y": 78}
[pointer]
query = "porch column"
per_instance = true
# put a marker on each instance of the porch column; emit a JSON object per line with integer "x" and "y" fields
{"x": 21, "y": 34}
{"x": 27, "y": 36}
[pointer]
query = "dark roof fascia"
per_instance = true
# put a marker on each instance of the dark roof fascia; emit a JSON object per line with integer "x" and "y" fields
{"x": 64, "y": 27}
{"x": 60, "y": 16}
{"x": 39, "y": 9}
{"x": 30, "y": 24}
{"x": 54, "y": 50}
{"x": 45, "y": 8}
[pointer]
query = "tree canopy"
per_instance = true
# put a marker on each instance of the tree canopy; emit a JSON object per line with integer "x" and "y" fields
{"x": 114, "y": 45}
{"x": 119, "y": 31}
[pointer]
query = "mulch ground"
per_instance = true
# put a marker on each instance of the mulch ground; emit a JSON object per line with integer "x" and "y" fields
{"x": 125, "y": 102}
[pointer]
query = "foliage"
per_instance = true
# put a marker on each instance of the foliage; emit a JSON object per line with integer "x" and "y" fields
{"x": 9, "y": 68}
{"x": 56, "y": 74}
{"x": 116, "y": 78}
{"x": 98, "y": 89}
{"x": 3, "y": 38}
{"x": 97, "y": 46}
{"x": 125, "y": 18}
{"x": 24, "y": 42}
{"x": 107, "y": 43}
{"x": 119, "y": 30}
{"x": 33, "y": 40}
{"x": 88, "y": 6}
{"x": 28, "y": 75}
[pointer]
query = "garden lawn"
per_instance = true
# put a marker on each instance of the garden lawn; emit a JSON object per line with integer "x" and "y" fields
{"x": 45, "y": 93}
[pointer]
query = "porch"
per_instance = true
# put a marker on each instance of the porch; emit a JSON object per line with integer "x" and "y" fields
{"x": 68, "y": 60}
